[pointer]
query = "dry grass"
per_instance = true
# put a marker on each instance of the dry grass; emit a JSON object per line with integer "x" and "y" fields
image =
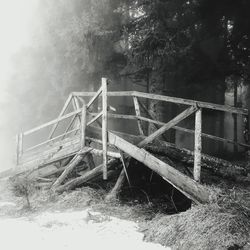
{"x": 222, "y": 225}
{"x": 203, "y": 227}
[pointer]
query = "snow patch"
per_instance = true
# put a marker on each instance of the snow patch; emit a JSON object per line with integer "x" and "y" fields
{"x": 72, "y": 230}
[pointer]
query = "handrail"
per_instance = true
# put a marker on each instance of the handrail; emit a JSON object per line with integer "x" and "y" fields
{"x": 177, "y": 100}
{"x": 200, "y": 104}
{"x": 52, "y": 122}
{"x": 50, "y": 140}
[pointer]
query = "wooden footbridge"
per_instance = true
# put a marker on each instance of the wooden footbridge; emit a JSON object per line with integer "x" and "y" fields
{"x": 79, "y": 134}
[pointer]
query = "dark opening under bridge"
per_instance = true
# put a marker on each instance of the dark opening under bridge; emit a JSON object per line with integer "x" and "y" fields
{"x": 79, "y": 139}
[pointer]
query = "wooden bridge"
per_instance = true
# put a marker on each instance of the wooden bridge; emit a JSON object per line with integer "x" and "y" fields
{"x": 79, "y": 133}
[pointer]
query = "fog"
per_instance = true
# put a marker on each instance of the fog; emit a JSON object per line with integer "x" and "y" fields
{"x": 176, "y": 48}
{"x": 16, "y": 18}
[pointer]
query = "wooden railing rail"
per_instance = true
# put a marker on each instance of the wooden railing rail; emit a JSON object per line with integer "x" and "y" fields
{"x": 176, "y": 100}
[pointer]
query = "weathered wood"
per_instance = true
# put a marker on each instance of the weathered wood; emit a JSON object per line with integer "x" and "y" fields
{"x": 96, "y": 95}
{"x": 112, "y": 94}
{"x": 69, "y": 125}
{"x": 51, "y": 140}
{"x": 177, "y": 100}
{"x": 112, "y": 195}
{"x": 120, "y": 181}
{"x": 104, "y": 126}
{"x": 95, "y": 118}
{"x": 215, "y": 165}
{"x": 219, "y": 166}
{"x": 183, "y": 183}
{"x": 85, "y": 178}
{"x": 190, "y": 131}
{"x": 90, "y": 161}
{"x": 168, "y": 125}
{"x": 170, "y": 99}
{"x": 19, "y": 145}
{"x": 197, "y": 145}
{"x": 76, "y": 105}
{"x": 45, "y": 172}
{"x": 83, "y": 125}
{"x": 61, "y": 113}
{"x": 117, "y": 116}
{"x": 57, "y": 154}
{"x": 138, "y": 113}
{"x": 55, "y": 121}
{"x": 77, "y": 159}
{"x": 153, "y": 118}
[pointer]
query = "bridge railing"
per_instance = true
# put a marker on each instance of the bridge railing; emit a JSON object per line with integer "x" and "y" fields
{"x": 77, "y": 123}
{"x": 82, "y": 108}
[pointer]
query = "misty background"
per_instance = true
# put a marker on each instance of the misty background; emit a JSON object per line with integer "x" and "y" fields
{"x": 197, "y": 49}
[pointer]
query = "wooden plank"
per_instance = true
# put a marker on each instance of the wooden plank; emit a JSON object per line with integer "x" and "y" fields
{"x": 104, "y": 126}
{"x": 206, "y": 105}
{"x": 83, "y": 125}
{"x": 112, "y": 195}
{"x": 138, "y": 113}
{"x": 117, "y": 116}
{"x": 55, "y": 121}
{"x": 76, "y": 105}
{"x": 61, "y": 113}
{"x": 69, "y": 126}
{"x": 61, "y": 150}
{"x": 110, "y": 94}
{"x": 176, "y": 100}
{"x": 94, "y": 97}
{"x": 153, "y": 118}
{"x": 90, "y": 161}
{"x": 95, "y": 118}
{"x": 168, "y": 125}
{"x": 197, "y": 145}
{"x": 17, "y": 149}
{"x": 19, "y": 145}
{"x": 51, "y": 140}
{"x": 183, "y": 183}
{"x": 190, "y": 131}
{"x": 73, "y": 163}
{"x": 80, "y": 180}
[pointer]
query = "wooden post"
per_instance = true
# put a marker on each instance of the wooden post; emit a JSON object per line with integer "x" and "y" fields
{"x": 104, "y": 126}
{"x": 17, "y": 149}
{"x": 138, "y": 113}
{"x": 83, "y": 125}
{"x": 197, "y": 145}
{"x": 19, "y": 139}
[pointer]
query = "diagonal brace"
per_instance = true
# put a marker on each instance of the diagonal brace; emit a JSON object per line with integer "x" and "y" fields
{"x": 167, "y": 126}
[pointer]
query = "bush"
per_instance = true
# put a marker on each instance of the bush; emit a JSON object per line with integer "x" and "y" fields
{"x": 23, "y": 187}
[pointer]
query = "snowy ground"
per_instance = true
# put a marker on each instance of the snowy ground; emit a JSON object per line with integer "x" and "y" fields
{"x": 70, "y": 230}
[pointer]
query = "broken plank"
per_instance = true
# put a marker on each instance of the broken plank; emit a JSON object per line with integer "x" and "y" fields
{"x": 77, "y": 159}
{"x": 183, "y": 183}
{"x": 86, "y": 177}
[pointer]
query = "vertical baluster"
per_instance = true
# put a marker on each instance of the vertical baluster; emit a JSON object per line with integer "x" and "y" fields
{"x": 138, "y": 113}
{"x": 104, "y": 126}
{"x": 83, "y": 125}
{"x": 197, "y": 145}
